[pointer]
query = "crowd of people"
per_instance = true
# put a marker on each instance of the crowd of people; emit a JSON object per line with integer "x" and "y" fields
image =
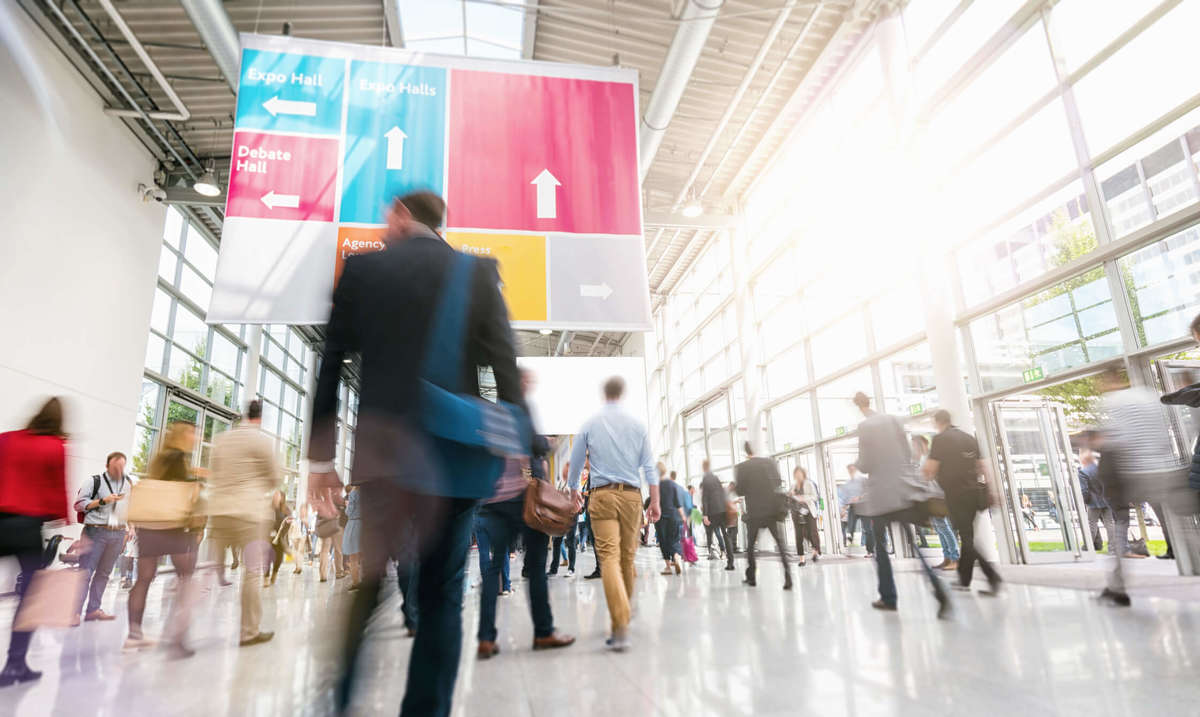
{"x": 438, "y": 469}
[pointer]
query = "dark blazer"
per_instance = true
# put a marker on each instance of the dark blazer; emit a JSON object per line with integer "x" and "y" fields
{"x": 757, "y": 480}
{"x": 383, "y": 308}
{"x": 712, "y": 496}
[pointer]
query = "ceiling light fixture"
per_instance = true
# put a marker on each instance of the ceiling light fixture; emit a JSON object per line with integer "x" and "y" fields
{"x": 207, "y": 183}
{"x": 693, "y": 208}
{"x": 545, "y": 332}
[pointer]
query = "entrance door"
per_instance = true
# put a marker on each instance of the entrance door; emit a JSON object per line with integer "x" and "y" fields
{"x": 1045, "y": 507}
{"x": 209, "y": 424}
{"x": 827, "y": 517}
{"x": 1185, "y": 422}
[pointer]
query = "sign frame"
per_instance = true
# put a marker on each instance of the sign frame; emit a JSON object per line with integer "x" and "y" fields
{"x": 349, "y": 52}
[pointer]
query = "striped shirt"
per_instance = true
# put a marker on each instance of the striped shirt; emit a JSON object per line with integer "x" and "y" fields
{"x": 1136, "y": 424}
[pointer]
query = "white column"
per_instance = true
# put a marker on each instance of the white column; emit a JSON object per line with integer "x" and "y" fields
{"x": 253, "y": 360}
{"x": 343, "y": 415}
{"x": 744, "y": 310}
{"x": 310, "y": 392}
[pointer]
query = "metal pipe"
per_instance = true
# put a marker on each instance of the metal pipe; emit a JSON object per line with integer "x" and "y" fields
{"x": 219, "y": 36}
{"x": 695, "y": 23}
{"x": 766, "y": 92}
{"x": 735, "y": 102}
{"x": 181, "y": 112}
{"x": 595, "y": 343}
{"x": 141, "y": 114}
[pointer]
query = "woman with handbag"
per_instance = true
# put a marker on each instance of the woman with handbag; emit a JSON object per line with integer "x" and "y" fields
{"x": 803, "y": 507}
{"x": 280, "y": 532}
{"x": 33, "y": 490}
{"x": 163, "y": 510}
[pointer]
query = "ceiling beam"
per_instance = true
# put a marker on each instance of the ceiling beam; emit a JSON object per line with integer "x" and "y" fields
{"x": 529, "y": 31}
{"x": 391, "y": 17}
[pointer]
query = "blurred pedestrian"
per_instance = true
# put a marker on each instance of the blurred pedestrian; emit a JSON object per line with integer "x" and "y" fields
{"x": 758, "y": 481}
{"x": 1098, "y": 510}
{"x": 803, "y": 506}
{"x": 617, "y": 448}
{"x": 281, "y": 535}
{"x": 176, "y": 537}
{"x": 383, "y": 311}
{"x": 245, "y": 472}
{"x": 352, "y": 537}
{"x": 670, "y": 524}
{"x": 940, "y": 523}
{"x": 955, "y": 462}
{"x": 104, "y": 531}
{"x": 890, "y": 495}
{"x": 33, "y": 490}
{"x": 712, "y": 503}
{"x": 1137, "y": 463}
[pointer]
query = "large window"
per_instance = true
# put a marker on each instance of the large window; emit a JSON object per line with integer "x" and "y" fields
{"x": 1065, "y": 326}
{"x": 1163, "y": 283}
{"x": 181, "y": 346}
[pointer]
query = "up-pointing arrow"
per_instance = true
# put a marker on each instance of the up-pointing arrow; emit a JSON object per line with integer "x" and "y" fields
{"x": 277, "y": 106}
{"x": 272, "y": 200}
{"x": 595, "y": 291}
{"x": 395, "y": 148}
{"x": 547, "y": 195}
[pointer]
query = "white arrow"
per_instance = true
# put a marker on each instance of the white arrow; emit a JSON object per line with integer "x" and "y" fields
{"x": 277, "y": 106}
{"x": 547, "y": 195}
{"x": 395, "y": 148}
{"x": 272, "y": 200}
{"x": 595, "y": 291}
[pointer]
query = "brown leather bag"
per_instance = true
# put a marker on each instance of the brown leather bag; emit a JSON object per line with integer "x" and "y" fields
{"x": 547, "y": 510}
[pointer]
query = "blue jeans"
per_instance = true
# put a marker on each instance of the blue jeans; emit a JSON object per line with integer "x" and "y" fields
{"x": 945, "y": 532}
{"x": 104, "y": 547}
{"x": 485, "y": 555}
{"x": 501, "y": 523}
{"x": 883, "y": 561}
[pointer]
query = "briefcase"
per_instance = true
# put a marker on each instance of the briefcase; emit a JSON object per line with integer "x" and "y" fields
{"x": 162, "y": 504}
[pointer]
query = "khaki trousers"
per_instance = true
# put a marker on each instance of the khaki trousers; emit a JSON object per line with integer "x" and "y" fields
{"x": 238, "y": 533}
{"x": 616, "y": 519}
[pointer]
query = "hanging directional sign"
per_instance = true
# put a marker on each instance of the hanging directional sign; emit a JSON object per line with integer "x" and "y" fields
{"x": 537, "y": 163}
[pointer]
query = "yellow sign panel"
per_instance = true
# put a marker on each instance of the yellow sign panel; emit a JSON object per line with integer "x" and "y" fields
{"x": 522, "y": 268}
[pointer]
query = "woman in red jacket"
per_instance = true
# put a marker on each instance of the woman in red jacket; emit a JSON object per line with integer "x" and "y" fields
{"x": 33, "y": 490}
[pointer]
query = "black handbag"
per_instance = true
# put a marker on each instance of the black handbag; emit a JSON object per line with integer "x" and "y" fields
{"x": 20, "y": 534}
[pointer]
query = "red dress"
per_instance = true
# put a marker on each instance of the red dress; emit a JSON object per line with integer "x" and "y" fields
{"x": 33, "y": 475}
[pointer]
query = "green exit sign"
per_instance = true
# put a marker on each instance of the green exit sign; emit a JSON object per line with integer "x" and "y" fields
{"x": 1030, "y": 375}
{"x": 839, "y": 431}
{"x": 916, "y": 409}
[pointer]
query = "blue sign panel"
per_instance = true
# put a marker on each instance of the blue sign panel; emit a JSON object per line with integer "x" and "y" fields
{"x": 395, "y": 137}
{"x": 290, "y": 93}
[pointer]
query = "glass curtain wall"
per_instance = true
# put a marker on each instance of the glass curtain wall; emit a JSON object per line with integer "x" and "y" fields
{"x": 1045, "y": 162}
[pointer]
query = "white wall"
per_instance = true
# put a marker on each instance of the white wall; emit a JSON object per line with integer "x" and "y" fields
{"x": 79, "y": 250}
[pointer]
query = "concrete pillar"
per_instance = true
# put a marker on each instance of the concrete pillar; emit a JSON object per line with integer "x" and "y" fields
{"x": 747, "y": 336}
{"x": 253, "y": 359}
{"x": 310, "y": 391}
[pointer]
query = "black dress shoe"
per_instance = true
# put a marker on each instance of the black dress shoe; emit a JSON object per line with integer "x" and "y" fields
{"x": 594, "y": 575}
{"x": 17, "y": 673}
{"x": 749, "y": 583}
{"x": 1120, "y": 599}
{"x": 881, "y": 605}
{"x": 787, "y": 585}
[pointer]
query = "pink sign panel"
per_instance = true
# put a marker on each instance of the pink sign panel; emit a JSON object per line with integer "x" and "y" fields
{"x": 282, "y": 177}
{"x": 542, "y": 154}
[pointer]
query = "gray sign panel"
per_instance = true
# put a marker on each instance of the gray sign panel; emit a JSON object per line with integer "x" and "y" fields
{"x": 598, "y": 282}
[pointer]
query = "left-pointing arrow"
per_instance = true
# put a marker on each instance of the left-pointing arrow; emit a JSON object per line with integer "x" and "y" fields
{"x": 277, "y": 107}
{"x": 272, "y": 200}
{"x": 395, "y": 148}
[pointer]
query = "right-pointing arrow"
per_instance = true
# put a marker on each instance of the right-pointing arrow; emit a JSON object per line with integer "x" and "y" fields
{"x": 547, "y": 194}
{"x": 272, "y": 200}
{"x": 595, "y": 291}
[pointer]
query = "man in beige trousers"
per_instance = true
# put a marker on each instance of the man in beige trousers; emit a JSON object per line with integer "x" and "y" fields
{"x": 245, "y": 471}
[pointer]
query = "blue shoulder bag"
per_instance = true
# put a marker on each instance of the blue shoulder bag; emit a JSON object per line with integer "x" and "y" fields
{"x": 472, "y": 435}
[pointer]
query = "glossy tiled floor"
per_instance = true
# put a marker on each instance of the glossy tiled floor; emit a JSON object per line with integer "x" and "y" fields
{"x": 704, "y": 645}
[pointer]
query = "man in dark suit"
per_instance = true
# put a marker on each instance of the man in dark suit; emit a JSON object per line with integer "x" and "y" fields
{"x": 382, "y": 309}
{"x": 712, "y": 504}
{"x": 757, "y": 480}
